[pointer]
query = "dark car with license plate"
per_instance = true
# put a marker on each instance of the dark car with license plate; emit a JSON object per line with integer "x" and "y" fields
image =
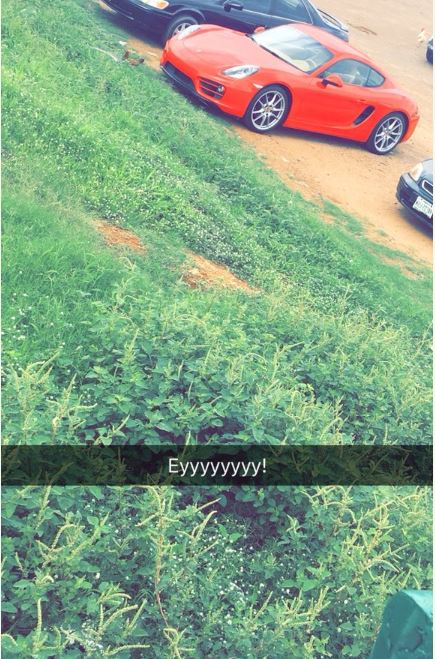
{"x": 429, "y": 51}
{"x": 167, "y": 17}
{"x": 415, "y": 191}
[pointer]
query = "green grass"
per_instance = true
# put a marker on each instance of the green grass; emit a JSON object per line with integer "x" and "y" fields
{"x": 188, "y": 363}
{"x": 346, "y": 219}
{"x": 333, "y": 349}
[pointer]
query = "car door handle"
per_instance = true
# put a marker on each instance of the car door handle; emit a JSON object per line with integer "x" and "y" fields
{"x": 363, "y": 100}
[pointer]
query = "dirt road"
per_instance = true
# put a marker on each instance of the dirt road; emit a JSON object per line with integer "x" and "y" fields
{"x": 324, "y": 168}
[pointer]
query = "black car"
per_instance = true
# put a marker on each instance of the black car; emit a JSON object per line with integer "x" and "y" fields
{"x": 429, "y": 51}
{"x": 415, "y": 191}
{"x": 167, "y": 17}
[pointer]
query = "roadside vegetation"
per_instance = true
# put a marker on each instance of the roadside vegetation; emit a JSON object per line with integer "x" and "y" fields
{"x": 112, "y": 346}
{"x": 102, "y": 572}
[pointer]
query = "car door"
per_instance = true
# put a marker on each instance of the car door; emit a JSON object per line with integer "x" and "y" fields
{"x": 288, "y": 11}
{"x": 253, "y": 14}
{"x": 323, "y": 106}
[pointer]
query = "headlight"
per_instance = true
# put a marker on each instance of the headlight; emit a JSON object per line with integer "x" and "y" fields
{"x": 184, "y": 33}
{"x": 157, "y": 4}
{"x": 416, "y": 171}
{"x": 240, "y": 72}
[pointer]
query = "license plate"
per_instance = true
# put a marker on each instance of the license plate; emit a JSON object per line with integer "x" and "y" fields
{"x": 423, "y": 206}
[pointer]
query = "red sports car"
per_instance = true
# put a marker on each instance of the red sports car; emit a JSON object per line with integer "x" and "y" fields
{"x": 293, "y": 75}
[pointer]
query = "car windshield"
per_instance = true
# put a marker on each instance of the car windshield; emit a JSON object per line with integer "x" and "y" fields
{"x": 294, "y": 47}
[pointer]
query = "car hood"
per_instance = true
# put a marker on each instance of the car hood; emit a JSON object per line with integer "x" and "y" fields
{"x": 220, "y": 47}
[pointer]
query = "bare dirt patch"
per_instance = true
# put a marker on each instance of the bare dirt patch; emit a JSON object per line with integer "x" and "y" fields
{"x": 150, "y": 53}
{"x": 201, "y": 272}
{"x": 398, "y": 263}
{"x": 360, "y": 183}
{"x": 207, "y": 273}
{"x": 117, "y": 237}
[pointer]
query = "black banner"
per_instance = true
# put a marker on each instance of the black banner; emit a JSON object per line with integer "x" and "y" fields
{"x": 217, "y": 465}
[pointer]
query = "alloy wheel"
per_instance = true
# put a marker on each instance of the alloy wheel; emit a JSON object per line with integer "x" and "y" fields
{"x": 388, "y": 134}
{"x": 268, "y": 110}
{"x": 181, "y": 27}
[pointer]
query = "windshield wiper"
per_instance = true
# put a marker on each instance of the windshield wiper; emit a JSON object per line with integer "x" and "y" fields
{"x": 272, "y": 52}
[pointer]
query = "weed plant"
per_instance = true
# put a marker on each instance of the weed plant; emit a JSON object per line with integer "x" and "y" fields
{"x": 102, "y": 343}
{"x": 166, "y": 572}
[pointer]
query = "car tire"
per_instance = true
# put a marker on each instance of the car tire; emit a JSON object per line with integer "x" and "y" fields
{"x": 178, "y": 24}
{"x": 387, "y": 134}
{"x": 274, "y": 97}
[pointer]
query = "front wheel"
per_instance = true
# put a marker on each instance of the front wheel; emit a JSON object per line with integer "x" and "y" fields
{"x": 268, "y": 109}
{"x": 178, "y": 24}
{"x": 387, "y": 134}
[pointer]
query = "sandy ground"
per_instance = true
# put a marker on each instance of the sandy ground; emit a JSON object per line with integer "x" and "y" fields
{"x": 324, "y": 168}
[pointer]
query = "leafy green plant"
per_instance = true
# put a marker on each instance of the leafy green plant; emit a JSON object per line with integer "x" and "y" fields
{"x": 166, "y": 572}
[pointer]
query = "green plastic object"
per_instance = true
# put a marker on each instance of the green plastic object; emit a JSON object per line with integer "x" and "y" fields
{"x": 406, "y": 630}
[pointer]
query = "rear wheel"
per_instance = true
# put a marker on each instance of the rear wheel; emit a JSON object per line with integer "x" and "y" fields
{"x": 178, "y": 24}
{"x": 387, "y": 134}
{"x": 268, "y": 109}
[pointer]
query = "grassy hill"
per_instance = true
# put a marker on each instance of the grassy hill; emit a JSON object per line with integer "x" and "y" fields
{"x": 334, "y": 348}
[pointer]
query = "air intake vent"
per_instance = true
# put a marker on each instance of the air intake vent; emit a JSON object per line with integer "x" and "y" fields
{"x": 365, "y": 114}
{"x": 211, "y": 88}
{"x": 178, "y": 76}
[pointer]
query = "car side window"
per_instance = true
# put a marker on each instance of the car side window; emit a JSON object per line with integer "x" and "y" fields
{"x": 259, "y": 6}
{"x": 351, "y": 71}
{"x": 292, "y": 9}
{"x": 375, "y": 79}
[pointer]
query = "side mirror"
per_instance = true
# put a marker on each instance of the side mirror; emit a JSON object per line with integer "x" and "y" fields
{"x": 333, "y": 79}
{"x": 231, "y": 4}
